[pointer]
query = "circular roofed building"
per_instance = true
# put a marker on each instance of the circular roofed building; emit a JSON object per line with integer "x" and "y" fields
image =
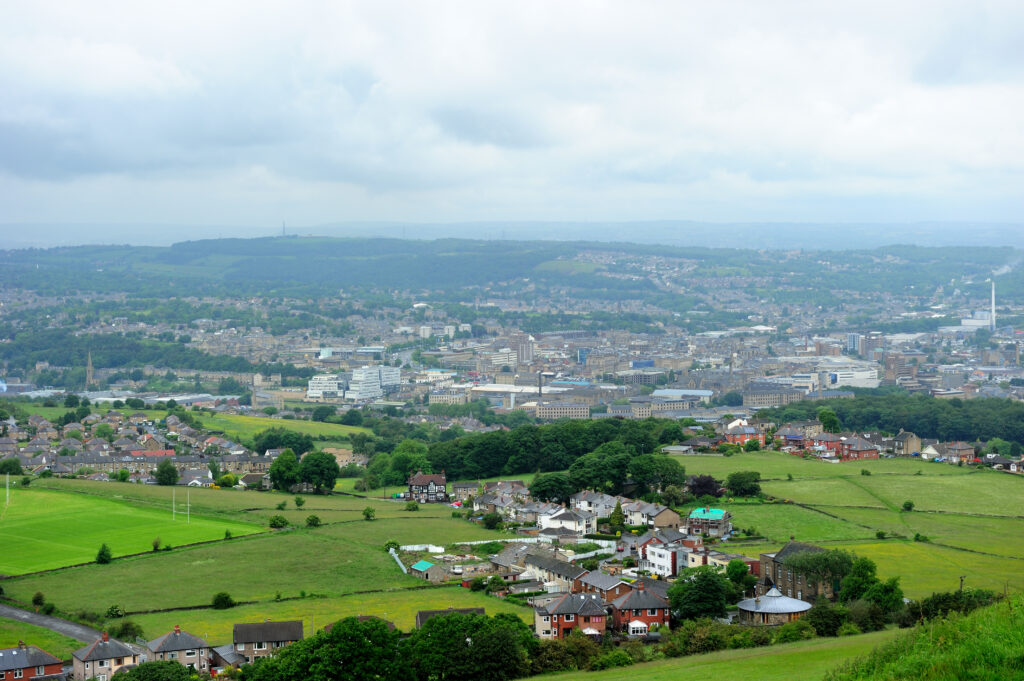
{"x": 771, "y": 609}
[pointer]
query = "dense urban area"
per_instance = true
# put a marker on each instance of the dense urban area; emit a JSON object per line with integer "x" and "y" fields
{"x": 459, "y": 459}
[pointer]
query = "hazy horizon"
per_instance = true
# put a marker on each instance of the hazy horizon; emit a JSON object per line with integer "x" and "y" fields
{"x": 827, "y": 236}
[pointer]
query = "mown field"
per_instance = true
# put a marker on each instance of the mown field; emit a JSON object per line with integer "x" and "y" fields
{"x": 973, "y": 520}
{"x": 12, "y": 631}
{"x": 803, "y": 661}
{"x": 43, "y": 529}
{"x": 398, "y": 606}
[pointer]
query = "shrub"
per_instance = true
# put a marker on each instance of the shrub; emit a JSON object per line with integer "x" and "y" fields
{"x": 48, "y": 608}
{"x": 391, "y": 544}
{"x": 491, "y": 521}
{"x": 867, "y": 616}
{"x": 156, "y": 543}
{"x": 103, "y": 556}
{"x": 412, "y": 506}
{"x": 227, "y": 534}
{"x": 222, "y": 600}
{"x": 282, "y": 505}
{"x": 761, "y": 636}
{"x": 369, "y": 513}
{"x": 299, "y": 502}
{"x": 825, "y": 618}
{"x": 38, "y": 599}
{"x": 908, "y": 505}
{"x": 115, "y": 612}
{"x": 611, "y": 659}
{"x": 312, "y": 521}
{"x": 126, "y": 630}
{"x": 920, "y": 537}
{"x": 478, "y": 584}
{"x": 456, "y": 514}
{"x": 278, "y": 521}
{"x": 794, "y": 631}
{"x": 880, "y": 534}
{"x": 865, "y": 471}
{"x": 848, "y": 629}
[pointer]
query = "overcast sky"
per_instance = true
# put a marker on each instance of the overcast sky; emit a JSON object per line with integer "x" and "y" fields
{"x": 250, "y": 113}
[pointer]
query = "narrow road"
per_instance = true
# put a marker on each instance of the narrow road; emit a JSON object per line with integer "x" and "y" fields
{"x": 75, "y": 631}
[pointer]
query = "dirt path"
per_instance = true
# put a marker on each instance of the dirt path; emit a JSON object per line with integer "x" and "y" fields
{"x": 75, "y": 631}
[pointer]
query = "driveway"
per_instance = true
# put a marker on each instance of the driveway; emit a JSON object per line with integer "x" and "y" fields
{"x": 72, "y": 629}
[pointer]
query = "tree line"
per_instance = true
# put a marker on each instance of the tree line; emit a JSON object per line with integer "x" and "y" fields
{"x": 923, "y": 415}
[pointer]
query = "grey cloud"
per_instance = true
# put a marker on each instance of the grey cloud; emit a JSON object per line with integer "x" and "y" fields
{"x": 481, "y": 126}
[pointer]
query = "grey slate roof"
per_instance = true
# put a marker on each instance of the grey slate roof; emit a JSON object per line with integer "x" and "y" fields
{"x": 177, "y": 640}
{"x": 231, "y": 656}
{"x": 555, "y": 566}
{"x": 103, "y": 650}
{"x": 774, "y": 603}
{"x": 600, "y": 580}
{"x": 575, "y": 604}
{"x": 257, "y": 632}
{"x": 29, "y": 656}
{"x": 639, "y": 599}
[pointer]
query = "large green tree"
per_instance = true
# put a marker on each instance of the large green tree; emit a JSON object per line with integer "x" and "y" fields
{"x": 166, "y": 472}
{"x": 352, "y": 650}
{"x": 744, "y": 483}
{"x": 284, "y": 472}
{"x": 700, "y": 592}
{"x": 551, "y": 487}
{"x": 281, "y": 438}
{"x": 320, "y": 470}
{"x": 159, "y": 670}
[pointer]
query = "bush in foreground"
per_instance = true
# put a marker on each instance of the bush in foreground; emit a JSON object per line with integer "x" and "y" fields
{"x": 222, "y": 600}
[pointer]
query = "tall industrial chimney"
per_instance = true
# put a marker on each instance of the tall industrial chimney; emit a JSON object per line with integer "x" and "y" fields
{"x": 992, "y": 317}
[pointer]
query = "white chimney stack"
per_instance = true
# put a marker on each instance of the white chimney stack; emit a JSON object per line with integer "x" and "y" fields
{"x": 992, "y": 317}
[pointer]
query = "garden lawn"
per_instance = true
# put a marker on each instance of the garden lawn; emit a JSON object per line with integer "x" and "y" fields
{"x": 43, "y": 529}
{"x": 803, "y": 661}
{"x": 12, "y": 631}
{"x": 399, "y": 607}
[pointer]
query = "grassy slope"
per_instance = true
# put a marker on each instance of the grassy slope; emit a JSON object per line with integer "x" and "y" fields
{"x": 985, "y": 645}
{"x": 804, "y": 661}
{"x": 12, "y": 631}
{"x": 399, "y": 607}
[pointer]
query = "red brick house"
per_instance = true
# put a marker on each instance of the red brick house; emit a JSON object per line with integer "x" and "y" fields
{"x": 607, "y": 587}
{"x": 558, "y": 618}
{"x": 857, "y": 449}
{"x": 27, "y": 662}
{"x": 740, "y": 435}
{"x": 428, "y": 488}
{"x": 635, "y": 612}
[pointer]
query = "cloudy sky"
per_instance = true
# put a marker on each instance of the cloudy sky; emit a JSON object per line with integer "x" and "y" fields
{"x": 250, "y": 113}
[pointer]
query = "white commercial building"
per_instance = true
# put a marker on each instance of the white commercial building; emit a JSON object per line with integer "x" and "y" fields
{"x": 325, "y": 386}
{"x": 371, "y": 382}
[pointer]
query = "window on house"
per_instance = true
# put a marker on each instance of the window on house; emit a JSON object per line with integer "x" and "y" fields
{"x": 173, "y": 656}
{"x": 17, "y": 673}
{"x": 40, "y": 671}
{"x": 102, "y": 664}
{"x": 260, "y": 645}
{"x": 569, "y": 618}
{"x": 278, "y": 644}
{"x": 190, "y": 653}
{"x": 652, "y": 612}
{"x": 3, "y": 675}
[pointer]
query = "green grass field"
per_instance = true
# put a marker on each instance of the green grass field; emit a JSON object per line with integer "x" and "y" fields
{"x": 42, "y": 529}
{"x": 12, "y": 631}
{"x": 245, "y": 427}
{"x": 804, "y": 661}
{"x": 399, "y": 607}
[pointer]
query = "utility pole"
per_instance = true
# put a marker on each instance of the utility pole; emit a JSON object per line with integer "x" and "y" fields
{"x": 962, "y": 582}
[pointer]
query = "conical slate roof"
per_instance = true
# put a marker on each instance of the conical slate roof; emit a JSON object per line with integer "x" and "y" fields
{"x": 774, "y": 603}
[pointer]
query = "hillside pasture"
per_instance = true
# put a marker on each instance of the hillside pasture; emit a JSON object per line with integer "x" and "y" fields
{"x": 333, "y": 560}
{"x": 43, "y": 529}
{"x": 779, "y": 522}
{"x": 399, "y": 607}
{"x": 245, "y": 427}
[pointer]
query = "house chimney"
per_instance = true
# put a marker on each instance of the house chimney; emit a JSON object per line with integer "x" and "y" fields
{"x": 105, "y": 637}
{"x": 21, "y": 644}
{"x": 640, "y": 585}
{"x": 177, "y": 629}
